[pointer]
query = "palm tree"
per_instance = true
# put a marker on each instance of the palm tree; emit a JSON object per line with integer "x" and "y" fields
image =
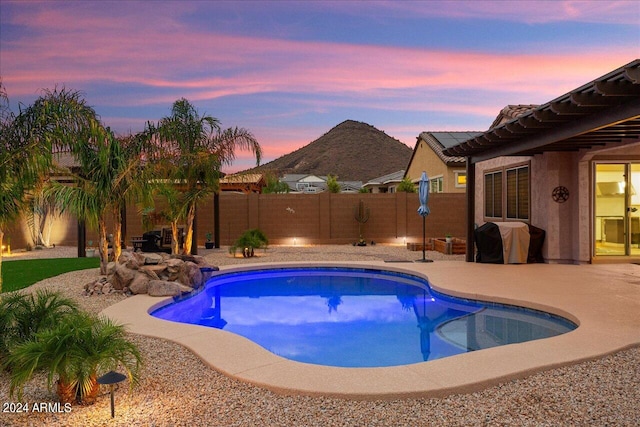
{"x": 75, "y": 353}
{"x": 12, "y": 187}
{"x": 189, "y": 150}
{"x": 109, "y": 175}
{"x": 129, "y": 183}
{"x": 27, "y": 141}
{"x": 23, "y": 315}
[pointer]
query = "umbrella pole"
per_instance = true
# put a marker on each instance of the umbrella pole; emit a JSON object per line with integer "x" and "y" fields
{"x": 424, "y": 239}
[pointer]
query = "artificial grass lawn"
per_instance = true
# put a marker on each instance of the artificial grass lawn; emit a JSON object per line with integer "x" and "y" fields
{"x": 19, "y": 274}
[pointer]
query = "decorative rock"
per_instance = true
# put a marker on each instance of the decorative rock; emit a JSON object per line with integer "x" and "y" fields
{"x": 172, "y": 275}
{"x": 107, "y": 288}
{"x": 174, "y": 262}
{"x": 150, "y": 273}
{"x": 140, "y": 284}
{"x": 139, "y": 257}
{"x": 152, "y": 258}
{"x": 190, "y": 275}
{"x": 163, "y": 288}
{"x": 121, "y": 277}
{"x": 111, "y": 267}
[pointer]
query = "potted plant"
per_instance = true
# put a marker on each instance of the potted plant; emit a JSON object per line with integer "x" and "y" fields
{"x": 90, "y": 250}
{"x": 448, "y": 238}
{"x": 79, "y": 349}
{"x": 209, "y": 243}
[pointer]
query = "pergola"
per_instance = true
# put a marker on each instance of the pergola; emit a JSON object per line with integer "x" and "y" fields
{"x": 605, "y": 111}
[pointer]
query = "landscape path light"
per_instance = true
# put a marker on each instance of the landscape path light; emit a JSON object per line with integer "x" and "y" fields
{"x": 112, "y": 378}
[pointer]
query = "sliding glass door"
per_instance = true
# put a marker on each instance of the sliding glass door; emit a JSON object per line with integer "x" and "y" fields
{"x": 617, "y": 209}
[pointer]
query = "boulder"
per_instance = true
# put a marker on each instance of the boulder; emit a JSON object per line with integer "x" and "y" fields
{"x": 140, "y": 284}
{"x": 190, "y": 275}
{"x": 200, "y": 261}
{"x": 121, "y": 277}
{"x": 164, "y": 288}
{"x": 152, "y": 258}
{"x": 107, "y": 288}
{"x": 174, "y": 265}
{"x": 110, "y": 267}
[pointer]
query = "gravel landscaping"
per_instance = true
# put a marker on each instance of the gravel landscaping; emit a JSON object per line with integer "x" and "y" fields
{"x": 178, "y": 389}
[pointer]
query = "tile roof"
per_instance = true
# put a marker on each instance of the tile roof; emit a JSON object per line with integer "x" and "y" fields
{"x": 511, "y": 112}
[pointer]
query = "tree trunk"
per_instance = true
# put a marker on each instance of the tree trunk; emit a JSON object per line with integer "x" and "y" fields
{"x": 103, "y": 246}
{"x": 66, "y": 391}
{"x": 117, "y": 233}
{"x": 189, "y": 237}
{"x": 175, "y": 239}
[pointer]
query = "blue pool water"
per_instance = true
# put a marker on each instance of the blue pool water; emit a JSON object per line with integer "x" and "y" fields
{"x": 355, "y": 317}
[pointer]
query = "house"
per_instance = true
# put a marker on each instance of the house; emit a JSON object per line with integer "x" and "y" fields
{"x": 447, "y": 174}
{"x": 311, "y": 184}
{"x": 570, "y": 166}
{"x": 384, "y": 184}
{"x": 303, "y": 183}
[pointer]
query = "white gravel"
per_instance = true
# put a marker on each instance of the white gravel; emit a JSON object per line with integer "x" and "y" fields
{"x": 178, "y": 389}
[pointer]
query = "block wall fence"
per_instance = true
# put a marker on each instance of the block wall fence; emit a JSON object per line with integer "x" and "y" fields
{"x": 323, "y": 218}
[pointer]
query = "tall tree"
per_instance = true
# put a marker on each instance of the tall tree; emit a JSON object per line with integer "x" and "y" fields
{"x": 332, "y": 184}
{"x": 107, "y": 177}
{"x": 27, "y": 141}
{"x": 189, "y": 150}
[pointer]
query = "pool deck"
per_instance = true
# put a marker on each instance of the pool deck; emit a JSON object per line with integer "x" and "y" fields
{"x": 604, "y": 300}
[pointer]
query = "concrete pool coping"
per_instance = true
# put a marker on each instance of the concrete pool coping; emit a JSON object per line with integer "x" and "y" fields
{"x": 604, "y": 300}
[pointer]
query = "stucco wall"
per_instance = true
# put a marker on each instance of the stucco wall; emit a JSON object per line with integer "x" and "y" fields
{"x": 425, "y": 159}
{"x": 568, "y": 225}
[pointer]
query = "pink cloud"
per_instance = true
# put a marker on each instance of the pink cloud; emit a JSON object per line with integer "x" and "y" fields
{"x": 160, "y": 54}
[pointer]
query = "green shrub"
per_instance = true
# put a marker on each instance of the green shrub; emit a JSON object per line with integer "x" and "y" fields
{"x": 22, "y": 316}
{"x": 248, "y": 241}
{"x": 78, "y": 349}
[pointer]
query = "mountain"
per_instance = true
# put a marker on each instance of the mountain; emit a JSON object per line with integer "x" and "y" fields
{"x": 353, "y": 151}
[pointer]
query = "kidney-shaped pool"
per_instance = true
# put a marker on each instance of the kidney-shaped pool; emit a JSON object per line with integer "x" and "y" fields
{"x": 355, "y": 317}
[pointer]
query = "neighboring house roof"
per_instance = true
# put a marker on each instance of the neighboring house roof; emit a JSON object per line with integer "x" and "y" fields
{"x": 603, "y": 111}
{"x": 350, "y": 186}
{"x": 391, "y": 178}
{"x": 511, "y": 112}
{"x": 440, "y": 141}
{"x": 246, "y": 183}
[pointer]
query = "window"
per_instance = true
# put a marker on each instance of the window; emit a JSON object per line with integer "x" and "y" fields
{"x": 518, "y": 193}
{"x": 301, "y": 186}
{"x": 510, "y": 194}
{"x": 436, "y": 185}
{"x": 461, "y": 179}
{"x": 493, "y": 194}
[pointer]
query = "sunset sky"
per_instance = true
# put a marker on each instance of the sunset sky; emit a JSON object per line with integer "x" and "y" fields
{"x": 290, "y": 71}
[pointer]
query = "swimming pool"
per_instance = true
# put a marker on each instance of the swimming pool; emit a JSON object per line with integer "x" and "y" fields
{"x": 355, "y": 317}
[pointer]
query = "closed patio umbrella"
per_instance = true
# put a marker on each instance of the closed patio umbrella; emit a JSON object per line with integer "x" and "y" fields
{"x": 423, "y": 210}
